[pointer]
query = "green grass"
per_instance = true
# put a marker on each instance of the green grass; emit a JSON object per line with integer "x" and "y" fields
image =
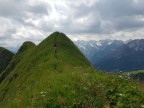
{"x": 137, "y": 75}
{"x": 136, "y": 72}
{"x": 23, "y": 53}
{"x": 43, "y": 79}
{"x": 5, "y": 58}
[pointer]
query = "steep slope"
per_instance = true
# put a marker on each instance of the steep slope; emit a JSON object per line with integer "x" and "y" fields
{"x": 129, "y": 57}
{"x": 5, "y": 58}
{"x": 67, "y": 51}
{"x": 22, "y": 52}
{"x": 55, "y": 74}
{"x": 36, "y": 65}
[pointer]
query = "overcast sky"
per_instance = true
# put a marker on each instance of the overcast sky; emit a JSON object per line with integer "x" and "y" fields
{"x": 34, "y": 20}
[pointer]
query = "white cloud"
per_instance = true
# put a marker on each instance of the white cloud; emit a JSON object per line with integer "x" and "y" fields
{"x": 23, "y": 20}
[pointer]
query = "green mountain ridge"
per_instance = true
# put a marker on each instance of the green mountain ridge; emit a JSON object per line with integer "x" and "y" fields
{"x": 5, "y": 58}
{"x": 20, "y": 55}
{"x": 26, "y": 45}
{"x": 55, "y": 74}
{"x": 30, "y": 58}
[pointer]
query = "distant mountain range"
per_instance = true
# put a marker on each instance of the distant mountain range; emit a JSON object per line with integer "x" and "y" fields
{"x": 114, "y": 55}
{"x": 96, "y": 50}
{"x": 128, "y": 57}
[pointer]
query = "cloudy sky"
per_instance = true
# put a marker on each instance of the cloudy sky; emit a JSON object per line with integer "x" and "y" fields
{"x": 34, "y": 20}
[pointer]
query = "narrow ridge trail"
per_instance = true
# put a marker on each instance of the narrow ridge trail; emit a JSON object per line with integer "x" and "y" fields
{"x": 55, "y": 52}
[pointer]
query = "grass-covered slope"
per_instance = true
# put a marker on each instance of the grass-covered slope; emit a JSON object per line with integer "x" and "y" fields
{"x": 5, "y": 58}
{"x": 22, "y": 53}
{"x": 57, "y": 76}
{"x": 137, "y": 75}
{"x": 67, "y": 54}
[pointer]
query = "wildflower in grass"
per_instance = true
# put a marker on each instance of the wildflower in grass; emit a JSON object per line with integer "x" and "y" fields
{"x": 89, "y": 83}
{"x": 121, "y": 94}
{"x": 85, "y": 88}
{"x": 128, "y": 74}
{"x": 120, "y": 76}
{"x": 43, "y": 94}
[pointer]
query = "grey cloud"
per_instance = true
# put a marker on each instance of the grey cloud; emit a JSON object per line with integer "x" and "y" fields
{"x": 102, "y": 17}
{"x": 7, "y": 35}
{"x": 39, "y": 9}
{"x": 128, "y": 23}
{"x": 11, "y": 8}
{"x": 114, "y": 8}
{"x": 18, "y": 9}
{"x": 118, "y": 8}
{"x": 123, "y": 14}
{"x": 78, "y": 12}
{"x": 81, "y": 10}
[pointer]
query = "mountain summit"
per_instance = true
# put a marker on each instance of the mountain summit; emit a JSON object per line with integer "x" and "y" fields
{"x": 67, "y": 53}
{"x": 20, "y": 56}
{"x": 35, "y": 69}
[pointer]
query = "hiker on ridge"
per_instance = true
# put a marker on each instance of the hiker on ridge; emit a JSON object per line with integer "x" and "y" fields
{"x": 55, "y": 47}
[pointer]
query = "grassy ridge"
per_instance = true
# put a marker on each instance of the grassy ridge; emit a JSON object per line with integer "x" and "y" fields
{"x": 44, "y": 79}
{"x": 136, "y": 72}
{"x": 5, "y": 58}
{"x": 20, "y": 56}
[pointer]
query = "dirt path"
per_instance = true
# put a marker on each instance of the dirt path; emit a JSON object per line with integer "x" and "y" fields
{"x": 55, "y": 52}
{"x": 142, "y": 87}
